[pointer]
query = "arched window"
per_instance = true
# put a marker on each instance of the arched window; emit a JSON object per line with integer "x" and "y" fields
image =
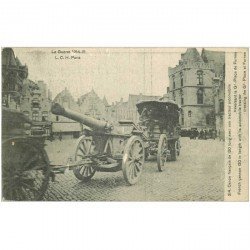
{"x": 200, "y": 96}
{"x": 200, "y": 77}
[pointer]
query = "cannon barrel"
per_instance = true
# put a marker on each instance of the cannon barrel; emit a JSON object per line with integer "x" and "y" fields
{"x": 93, "y": 123}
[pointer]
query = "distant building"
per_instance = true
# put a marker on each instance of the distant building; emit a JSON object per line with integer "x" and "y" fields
{"x": 62, "y": 126}
{"x": 36, "y": 104}
{"x": 191, "y": 86}
{"x": 127, "y": 110}
{"x": 91, "y": 104}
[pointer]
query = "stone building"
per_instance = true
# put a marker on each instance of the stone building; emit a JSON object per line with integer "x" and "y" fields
{"x": 13, "y": 75}
{"x": 36, "y": 104}
{"x": 191, "y": 86}
{"x": 62, "y": 126}
{"x": 218, "y": 58}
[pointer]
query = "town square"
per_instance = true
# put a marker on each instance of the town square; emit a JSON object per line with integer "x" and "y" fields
{"x": 113, "y": 124}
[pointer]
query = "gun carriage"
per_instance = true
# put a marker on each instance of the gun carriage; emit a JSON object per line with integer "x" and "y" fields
{"x": 106, "y": 148}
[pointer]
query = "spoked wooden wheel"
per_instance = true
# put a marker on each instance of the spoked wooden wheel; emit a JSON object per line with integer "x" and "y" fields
{"x": 133, "y": 159}
{"x": 177, "y": 147}
{"x": 162, "y": 152}
{"x": 25, "y": 170}
{"x": 85, "y": 146}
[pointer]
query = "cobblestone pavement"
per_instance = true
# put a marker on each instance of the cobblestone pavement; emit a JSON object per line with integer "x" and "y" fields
{"x": 197, "y": 175}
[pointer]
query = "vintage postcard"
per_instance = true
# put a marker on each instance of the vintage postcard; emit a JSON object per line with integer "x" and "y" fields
{"x": 125, "y": 124}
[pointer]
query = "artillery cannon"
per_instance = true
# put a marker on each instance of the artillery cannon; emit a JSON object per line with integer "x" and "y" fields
{"x": 106, "y": 148}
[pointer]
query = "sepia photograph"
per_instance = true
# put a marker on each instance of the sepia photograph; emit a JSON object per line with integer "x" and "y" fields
{"x": 113, "y": 124}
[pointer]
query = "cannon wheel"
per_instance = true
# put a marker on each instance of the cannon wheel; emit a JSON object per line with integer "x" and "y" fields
{"x": 162, "y": 152}
{"x": 133, "y": 159}
{"x": 84, "y": 147}
{"x": 25, "y": 170}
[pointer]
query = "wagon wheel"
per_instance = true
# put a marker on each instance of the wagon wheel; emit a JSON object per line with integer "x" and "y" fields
{"x": 85, "y": 146}
{"x": 172, "y": 149}
{"x": 162, "y": 152}
{"x": 25, "y": 170}
{"x": 133, "y": 159}
{"x": 177, "y": 147}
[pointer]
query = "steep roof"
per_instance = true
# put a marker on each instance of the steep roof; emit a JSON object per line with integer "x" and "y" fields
{"x": 91, "y": 93}
{"x": 217, "y": 57}
{"x": 105, "y": 102}
{"x": 191, "y": 54}
{"x": 64, "y": 94}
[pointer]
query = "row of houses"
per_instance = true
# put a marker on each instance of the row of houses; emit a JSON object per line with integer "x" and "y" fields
{"x": 197, "y": 84}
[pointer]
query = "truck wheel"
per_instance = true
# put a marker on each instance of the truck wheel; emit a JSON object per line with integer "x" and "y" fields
{"x": 172, "y": 150}
{"x": 133, "y": 159}
{"x": 162, "y": 152}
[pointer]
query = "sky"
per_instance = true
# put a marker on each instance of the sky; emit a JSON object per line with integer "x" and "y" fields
{"x": 111, "y": 72}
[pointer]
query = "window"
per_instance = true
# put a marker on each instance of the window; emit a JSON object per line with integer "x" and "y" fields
{"x": 182, "y": 118}
{"x": 173, "y": 82}
{"x": 200, "y": 96}
{"x": 221, "y": 105}
{"x": 181, "y": 75}
{"x": 200, "y": 77}
{"x": 35, "y": 105}
{"x": 35, "y": 116}
{"x": 26, "y": 113}
{"x": 207, "y": 119}
{"x": 44, "y": 116}
{"x": 57, "y": 118}
{"x": 174, "y": 97}
{"x": 189, "y": 113}
{"x": 182, "y": 101}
